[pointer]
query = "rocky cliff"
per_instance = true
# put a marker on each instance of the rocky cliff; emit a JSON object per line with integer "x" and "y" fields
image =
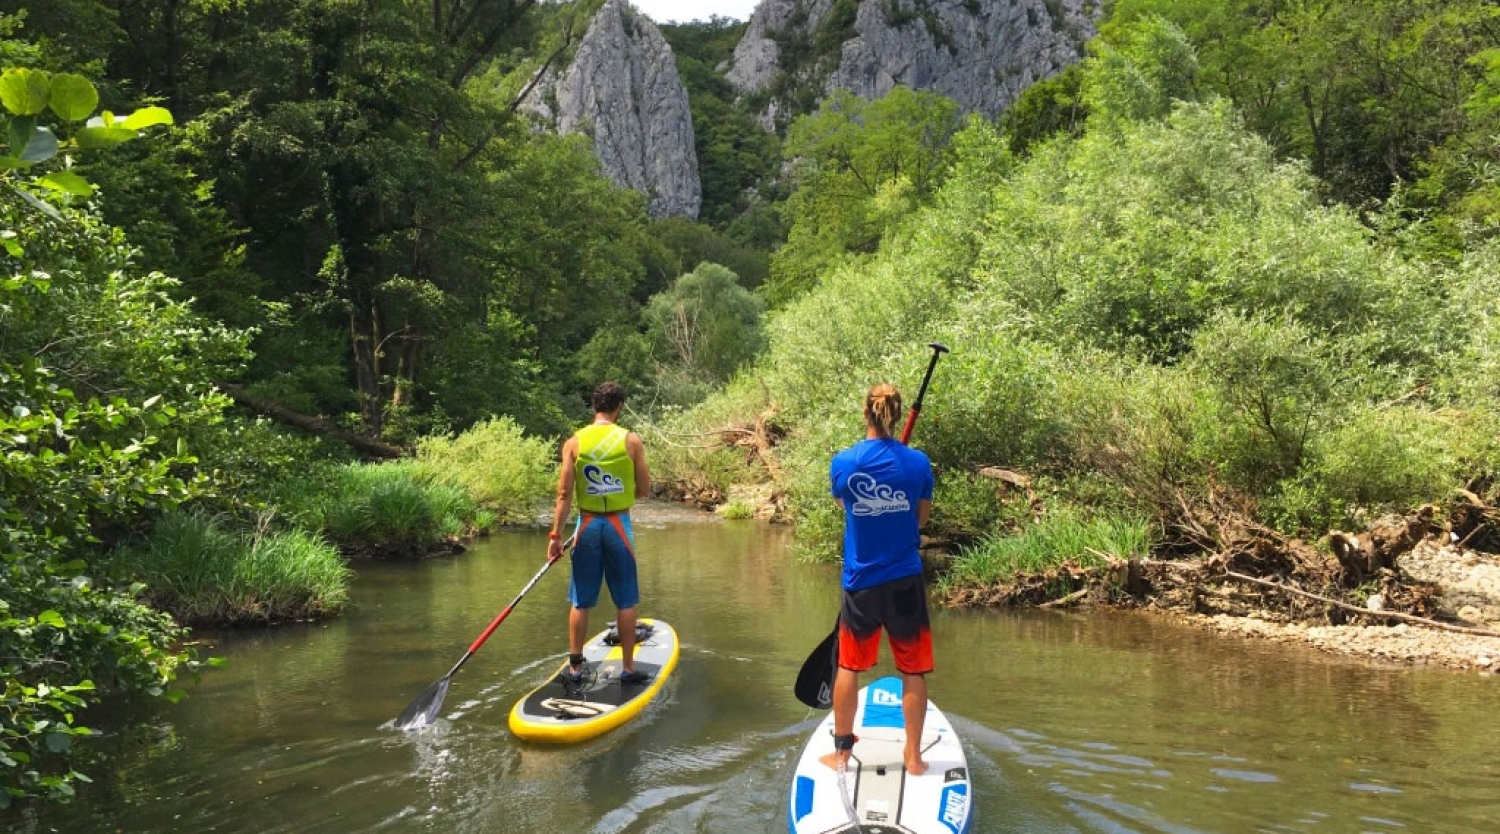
{"x": 980, "y": 53}
{"x": 622, "y": 89}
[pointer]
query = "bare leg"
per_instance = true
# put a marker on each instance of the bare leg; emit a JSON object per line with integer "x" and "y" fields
{"x": 625, "y": 627}
{"x": 845, "y": 704}
{"x": 914, "y": 711}
{"x": 578, "y": 627}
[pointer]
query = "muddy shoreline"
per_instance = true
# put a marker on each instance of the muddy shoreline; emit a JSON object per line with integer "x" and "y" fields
{"x": 1418, "y": 590}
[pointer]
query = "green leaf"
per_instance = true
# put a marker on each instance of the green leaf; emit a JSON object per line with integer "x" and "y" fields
{"x": 69, "y": 182}
{"x": 52, "y": 618}
{"x": 73, "y": 97}
{"x": 148, "y": 117}
{"x": 103, "y": 137}
{"x": 24, "y": 92}
{"x": 39, "y": 204}
{"x": 58, "y": 742}
{"x": 20, "y": 131}
{"x": 42, "y": 146}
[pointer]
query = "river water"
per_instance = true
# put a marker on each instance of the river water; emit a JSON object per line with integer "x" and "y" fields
{"x": 1072, "y": 722}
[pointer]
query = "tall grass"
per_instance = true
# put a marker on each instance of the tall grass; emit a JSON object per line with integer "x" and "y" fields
{"x": 400, "y": 509}
{"x": 205, "y": 573}
{"x": 1065, "y": 536}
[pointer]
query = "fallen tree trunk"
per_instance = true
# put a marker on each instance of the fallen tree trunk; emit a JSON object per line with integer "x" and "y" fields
{"x": 314, "y": 425}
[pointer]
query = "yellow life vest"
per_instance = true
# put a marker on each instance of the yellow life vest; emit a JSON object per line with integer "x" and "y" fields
{"x": 604, "y": 476}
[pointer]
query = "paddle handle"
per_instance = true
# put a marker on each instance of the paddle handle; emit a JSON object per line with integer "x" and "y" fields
{"x": 938, "y": 350}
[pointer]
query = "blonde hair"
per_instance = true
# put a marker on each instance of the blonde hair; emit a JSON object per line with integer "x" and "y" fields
{"x": 883, "y": 409}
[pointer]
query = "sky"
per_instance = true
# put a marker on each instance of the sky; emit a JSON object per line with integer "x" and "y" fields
{"x": 683, "y": 11}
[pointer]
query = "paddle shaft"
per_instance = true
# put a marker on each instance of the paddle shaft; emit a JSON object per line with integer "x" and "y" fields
{"x": 494, "y": 624}
{"x": 916, "y": 407}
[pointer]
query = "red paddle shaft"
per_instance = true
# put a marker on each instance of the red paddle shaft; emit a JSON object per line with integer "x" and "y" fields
{"x": 479, "y": 641}
{"x": 916, "y": 407}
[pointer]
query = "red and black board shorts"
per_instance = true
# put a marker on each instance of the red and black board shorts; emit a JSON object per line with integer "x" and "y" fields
{"x": 898, "y": 606}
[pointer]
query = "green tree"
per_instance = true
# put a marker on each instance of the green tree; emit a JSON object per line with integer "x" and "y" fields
{"x": 708, "y": 322}
{"x": 374, "y": 159}
{"x": 104, "y": 382}
{"x": 861, "y": 166}
{"x": 1361, "y": 88}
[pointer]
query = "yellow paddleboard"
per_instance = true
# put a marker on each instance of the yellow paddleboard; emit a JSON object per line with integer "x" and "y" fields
{"x": 557, "y": 714}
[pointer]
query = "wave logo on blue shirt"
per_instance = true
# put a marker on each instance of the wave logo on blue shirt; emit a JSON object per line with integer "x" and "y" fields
{"x": 599, "y": 482}
{"x": 874, "y": 498}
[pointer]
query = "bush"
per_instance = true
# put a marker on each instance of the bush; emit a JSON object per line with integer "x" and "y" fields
{"x": 1384, "y": 460}
{"x": 205, "y": 573}
{"x": 503, "y": 471}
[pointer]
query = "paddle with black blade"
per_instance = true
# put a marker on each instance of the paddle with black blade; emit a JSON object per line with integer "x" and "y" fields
{"x": 425, "y": 708}
{"x": 814, "y": 685}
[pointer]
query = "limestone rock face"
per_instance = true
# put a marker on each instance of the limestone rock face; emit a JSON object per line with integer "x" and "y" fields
{"x": 980, "y": 53}
{"x": 622, "y": 89}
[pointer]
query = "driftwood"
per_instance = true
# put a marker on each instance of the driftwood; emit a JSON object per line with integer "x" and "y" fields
{"x": 315, "y": 425}
{"x": 1067, "y": 600}
{"x": 1394, "y": 615}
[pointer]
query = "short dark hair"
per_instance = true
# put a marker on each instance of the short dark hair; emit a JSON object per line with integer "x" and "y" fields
{"x": 608, "y": 397}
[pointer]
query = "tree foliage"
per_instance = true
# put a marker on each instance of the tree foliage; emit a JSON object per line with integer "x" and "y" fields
{"x": 1363, "y": 89}
{"x": 103, "y": 383}
{"x": 709, "y": 323}
{"x": 861, "y": 166}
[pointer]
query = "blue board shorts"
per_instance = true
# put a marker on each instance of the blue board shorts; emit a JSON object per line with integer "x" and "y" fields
{"x": 604, "y": 553}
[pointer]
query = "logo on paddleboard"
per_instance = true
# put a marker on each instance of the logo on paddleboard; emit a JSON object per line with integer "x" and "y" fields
{"x": 885, "y": 698}
{"x": 874, "y": 498}
{"x": 955, "y": 805}
{"x": 599, "y": 482}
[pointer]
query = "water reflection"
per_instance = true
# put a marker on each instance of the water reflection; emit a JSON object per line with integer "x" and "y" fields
{"x": 1073, "y": 723}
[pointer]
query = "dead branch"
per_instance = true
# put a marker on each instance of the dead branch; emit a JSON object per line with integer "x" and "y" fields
{"x": 1394, "y": 615}
{"x": 1067, "y": 600}
{"x": 315, "y": 425}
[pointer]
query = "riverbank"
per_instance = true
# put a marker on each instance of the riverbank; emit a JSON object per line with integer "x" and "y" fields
{"x": 1407, "y": 590}
{"x": 1468, "y": 597}
{"x": 1398, "y": 643}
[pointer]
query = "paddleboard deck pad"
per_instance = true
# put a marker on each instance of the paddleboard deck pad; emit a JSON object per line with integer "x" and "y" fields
{"x": 885, "y": 798}
{"x": 559, "y": 712}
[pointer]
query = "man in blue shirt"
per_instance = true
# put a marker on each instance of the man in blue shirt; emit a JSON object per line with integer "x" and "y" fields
{"x": 885, "y": 491}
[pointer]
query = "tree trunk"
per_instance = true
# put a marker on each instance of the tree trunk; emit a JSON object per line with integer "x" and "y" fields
{"x": 315, "y": 425}
{"x": 364, "y": 342}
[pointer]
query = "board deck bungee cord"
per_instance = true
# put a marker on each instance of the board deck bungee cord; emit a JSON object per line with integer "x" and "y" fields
{"x": 885, "y": 799}
{"x": 553, "y": 713}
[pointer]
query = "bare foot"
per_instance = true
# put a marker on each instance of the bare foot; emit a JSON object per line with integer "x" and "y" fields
{"x": 915, "y": 766}
{"x": 832, "y": 759}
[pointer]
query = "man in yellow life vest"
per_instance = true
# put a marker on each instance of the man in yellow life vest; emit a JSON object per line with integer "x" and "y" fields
{"x": 604, "y": 471}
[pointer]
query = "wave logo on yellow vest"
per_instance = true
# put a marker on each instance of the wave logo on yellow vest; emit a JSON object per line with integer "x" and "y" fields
{"x": 598, "y": 482}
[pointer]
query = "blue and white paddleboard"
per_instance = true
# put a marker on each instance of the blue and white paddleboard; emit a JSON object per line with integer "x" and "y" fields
{"x": 885, "y": 799}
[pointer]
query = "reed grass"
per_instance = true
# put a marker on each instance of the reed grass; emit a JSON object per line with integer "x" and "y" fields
{"x": 203, "y": 572}
{"x": 1065, "y": 536}
{"x": 401, "y": 509}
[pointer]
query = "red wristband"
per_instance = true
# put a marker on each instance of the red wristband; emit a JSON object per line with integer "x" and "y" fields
{"x": 551, "y": 535}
